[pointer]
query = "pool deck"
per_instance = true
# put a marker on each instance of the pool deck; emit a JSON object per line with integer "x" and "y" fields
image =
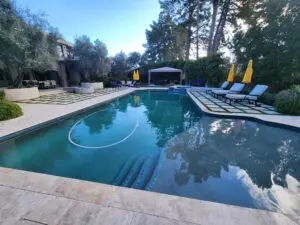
{"x": 290, "y": 121}
{"x": 32, "y": 198}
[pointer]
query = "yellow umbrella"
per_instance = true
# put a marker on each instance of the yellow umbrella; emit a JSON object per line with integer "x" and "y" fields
{"x": 136, "y": 75}
{"x": 248, "y": 74}
{"x": 231, "y": 74}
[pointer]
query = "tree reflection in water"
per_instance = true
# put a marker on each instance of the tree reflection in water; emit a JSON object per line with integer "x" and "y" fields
{"x": 215, "y": 144}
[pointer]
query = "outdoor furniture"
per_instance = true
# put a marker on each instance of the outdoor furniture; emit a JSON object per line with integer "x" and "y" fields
{"x": 235, "y": 89}
{"x": 131, "y": 84}
{"x": 30, "y": 83}
{"x": 222, "y": 87}
{"x": 44, "y": 84}
{"x": 253, "y": 96}
{"x": 198, "y": 83}
{"x": 115, "y": 84}
{"x": 52, "y": 83}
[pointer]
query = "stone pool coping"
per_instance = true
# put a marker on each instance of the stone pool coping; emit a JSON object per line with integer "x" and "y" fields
{"x": 289, "y": 122}
{"x": 33, "y": 198}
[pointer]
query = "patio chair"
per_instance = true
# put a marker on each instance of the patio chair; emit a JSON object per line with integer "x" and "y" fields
{"x": 53, "y": 83}
{"x": 235, "y": 89}
{"x": 44, "y": 84}
{"x": 252, "y": 97}
{"x": 115, "y": 84}
{"x": 222, "y": 87}
{"x": 132, "y": 84}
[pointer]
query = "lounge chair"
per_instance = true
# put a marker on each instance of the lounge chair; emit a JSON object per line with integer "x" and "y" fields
{"x": 222, "y": 87}
{"x": 253, "y": 96}
{"x": 235, "y": 89}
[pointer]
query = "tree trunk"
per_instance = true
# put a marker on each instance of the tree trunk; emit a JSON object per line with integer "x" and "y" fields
{"x": 188, "y": 46}
{"x": 220, "y": 28}
{"x": 213, "y": 25}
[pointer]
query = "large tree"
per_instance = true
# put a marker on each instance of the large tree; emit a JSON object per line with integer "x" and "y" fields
{"x": 134, "y": 60}
{"x": 270, "y": 35}
{"x": 119, "y": 65}
{"x": 27, "y": 43}
{"x": 92, "y": 58}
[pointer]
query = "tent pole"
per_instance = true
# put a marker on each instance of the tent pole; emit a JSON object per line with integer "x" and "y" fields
{"x": 149, "y": 77}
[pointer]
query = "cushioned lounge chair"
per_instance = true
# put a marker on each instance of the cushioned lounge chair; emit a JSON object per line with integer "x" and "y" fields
{"x": 222, "y": 87}
{"x": 253, "y": 96}
{"x": 235, "y": 89}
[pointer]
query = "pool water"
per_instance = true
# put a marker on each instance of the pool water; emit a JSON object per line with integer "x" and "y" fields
{"x": 161, "y": 142}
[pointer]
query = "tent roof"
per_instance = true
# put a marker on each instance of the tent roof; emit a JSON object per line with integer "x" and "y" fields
{"x": 165, "y": 70}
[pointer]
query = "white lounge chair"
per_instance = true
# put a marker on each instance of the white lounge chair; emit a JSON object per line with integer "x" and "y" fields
{"x": 253, "y": 96}
{"x": 235, "y": 89}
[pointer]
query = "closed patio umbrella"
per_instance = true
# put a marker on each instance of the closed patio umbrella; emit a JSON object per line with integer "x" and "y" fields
{"x": 230, "y": 78}
{"x": 248, "y": 74}
{"x": 136, "y": 75}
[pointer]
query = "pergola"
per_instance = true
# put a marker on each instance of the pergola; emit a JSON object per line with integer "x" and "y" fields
{"x": 165, "y": 70}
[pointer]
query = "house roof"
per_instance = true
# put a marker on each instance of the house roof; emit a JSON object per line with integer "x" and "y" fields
{"x": 165, "y": 70}
{"x": 64, "y": 42}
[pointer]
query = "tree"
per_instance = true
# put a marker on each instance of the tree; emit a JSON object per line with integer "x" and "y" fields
{"x": 134, "y": 60}
{"x": 166, "y": 41}
{"x": 27, "y": 43}
{"x": 119, "y": 65}
{"x": 92, "y": 58}
{"x": 271, "y": 40}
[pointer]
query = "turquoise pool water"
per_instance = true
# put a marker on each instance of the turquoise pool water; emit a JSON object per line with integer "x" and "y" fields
{"x": 161, "y": 142}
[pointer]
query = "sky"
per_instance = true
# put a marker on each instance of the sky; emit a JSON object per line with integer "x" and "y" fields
{"x": 120, "y": 24}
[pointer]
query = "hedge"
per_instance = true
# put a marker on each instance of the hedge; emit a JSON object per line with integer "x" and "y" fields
{"x": 9, "y": 110}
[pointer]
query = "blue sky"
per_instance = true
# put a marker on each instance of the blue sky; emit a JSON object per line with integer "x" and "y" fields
{"x": 120, "y": 24}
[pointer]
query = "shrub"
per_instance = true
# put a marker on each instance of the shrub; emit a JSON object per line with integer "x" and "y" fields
{"x": 288, "y": 101}
{"x": 268, "y": 98}
{"x": 9, "y": 110}
{"x": 1, "y": 95}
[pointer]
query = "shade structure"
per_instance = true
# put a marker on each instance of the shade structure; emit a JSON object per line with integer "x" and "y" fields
{"x": 248, "y": 74}
{"x": 230, "y": 78}
{"x": 165, "y": 70}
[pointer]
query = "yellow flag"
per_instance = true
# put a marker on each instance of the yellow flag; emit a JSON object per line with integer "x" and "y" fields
{"x": 248, "y": 74}
{"x": 231, "y": 74}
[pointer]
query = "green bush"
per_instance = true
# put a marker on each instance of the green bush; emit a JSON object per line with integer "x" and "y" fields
{"x": 268, "y": 98}
{"x": 1, "y": 95}
{"x": 9, "y": 110}
{"x": 288, "y": 101}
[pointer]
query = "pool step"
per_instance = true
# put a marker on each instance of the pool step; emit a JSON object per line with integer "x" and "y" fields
{"x": 134, "y": 171}
{"x": 139, "y": 172}
{"x": 124, "y": 171}
{"x": 153, "y": 178}
{"x": 146, "y": 172}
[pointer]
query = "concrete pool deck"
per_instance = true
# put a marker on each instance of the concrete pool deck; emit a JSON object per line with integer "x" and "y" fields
{"x": 32, "y": 198}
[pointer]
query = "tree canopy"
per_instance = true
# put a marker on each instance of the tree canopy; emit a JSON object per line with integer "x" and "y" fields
{"x": 27, "y": 42}
{"x": 265, "y": 31}
{"x": 92, "y": 58}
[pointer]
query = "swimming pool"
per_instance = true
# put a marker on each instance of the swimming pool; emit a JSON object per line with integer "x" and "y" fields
{"x": 161, "y": 142}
